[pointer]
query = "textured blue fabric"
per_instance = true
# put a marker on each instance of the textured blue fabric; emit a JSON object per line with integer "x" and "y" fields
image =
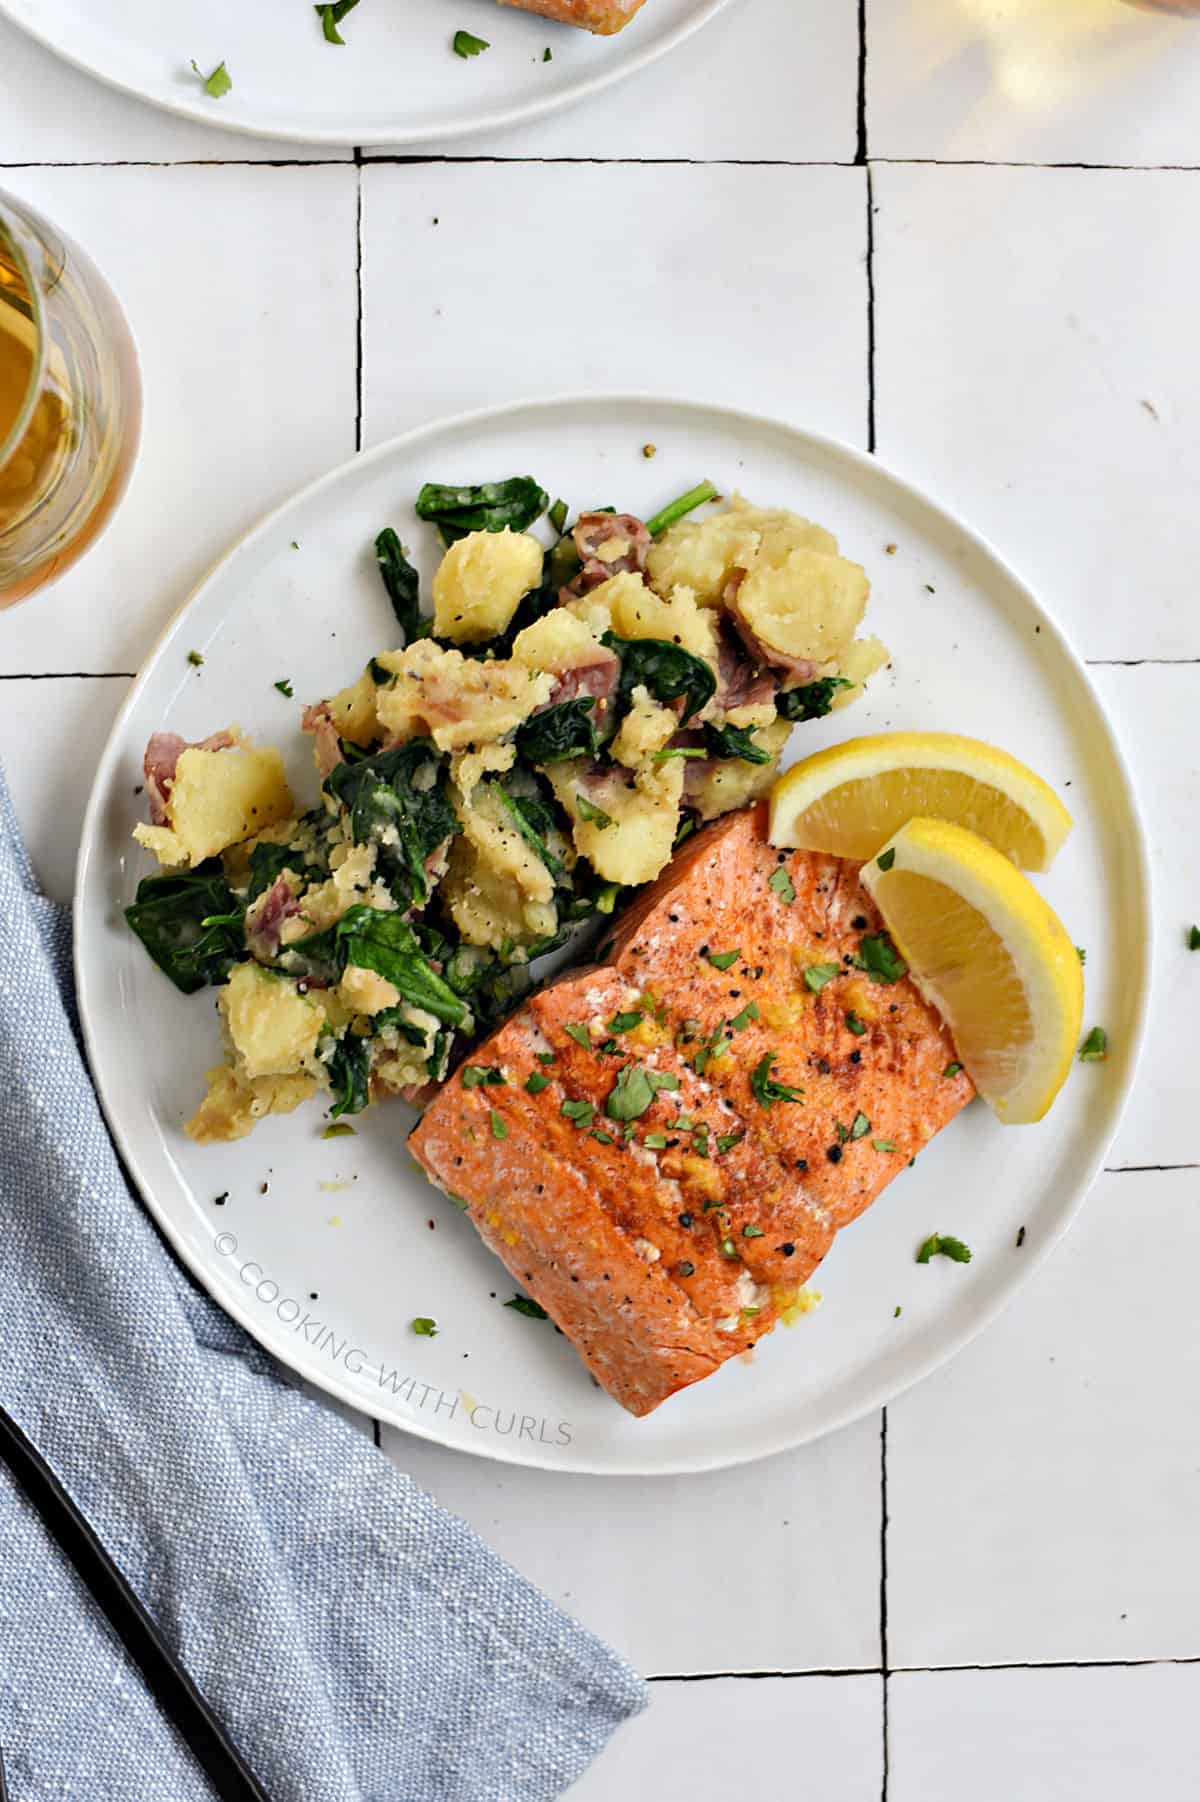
{"x": 357, "y": 1641}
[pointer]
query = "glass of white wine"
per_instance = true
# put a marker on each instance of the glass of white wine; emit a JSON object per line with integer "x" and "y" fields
{"x": 70, "y": 402}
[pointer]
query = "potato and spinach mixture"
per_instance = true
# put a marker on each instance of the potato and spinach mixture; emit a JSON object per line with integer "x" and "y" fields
{"x": 534, "y": 750}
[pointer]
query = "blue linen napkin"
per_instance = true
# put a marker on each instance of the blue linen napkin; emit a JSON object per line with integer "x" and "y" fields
{"x": 357, "y": 1642}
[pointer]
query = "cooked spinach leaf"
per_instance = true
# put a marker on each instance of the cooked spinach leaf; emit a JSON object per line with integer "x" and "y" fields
{"x": 667, "y": 670}
{"x": 559, "y": 732}
{"x": 486, "y": 507}
{"x": 686, "y": 503}
{"x": 331, "y": 17}
{"x": 813, "y": 701}
{"x": 534, "y": 820}
{"x": 387, "y": 944}
{"x": 349, "y": 1075}
{"x": 191, "y": 924}
{"x": 403, "y": 587}
{"x": 406, "y": 789}
{"x": 734, "y": 741}
{"x": 267, "y": 864}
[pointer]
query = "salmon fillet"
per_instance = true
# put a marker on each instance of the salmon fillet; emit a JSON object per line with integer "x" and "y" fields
{"x": 757, "y": 1087}
{"x": 602, "y": 16}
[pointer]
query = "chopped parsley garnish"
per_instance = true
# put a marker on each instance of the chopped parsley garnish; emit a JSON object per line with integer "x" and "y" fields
{"x": 817, "y": 975}
{"x": 635, "y": 1089}
{"x": 581, "y": 1112}
{"x": 936, "y": 1246}
{"x": 535, "y": 1082}
{"x": 764, "y": 1087}
{"x": 341, "y": 1129}
{"x": 752, "y": 1232}
{"x": 855, "y": 1025}
{"x": 884, "y": 1145}
{"x": 591, "y": 814}
{"x": 952, "y": 1070}
{"x": 1193, "y": 939}
{"x": 557, "y": 514}
{"x": 880, "y": 959}
{"x": 722, "y": 960}
{"x": 499, "y": 1127}
{"x": 285, "y": 687}
{"x": 727, "y": 1141}
{"x": 1081, "y": 954}
{"x": 1020, "y": 1238}
{"x": 843, "y": 1132}
{"x": 716, "y": 1046}
{"x": 898, "y": 1313}
{"x": 860, "y": 1126}
{"x": 195, "y": 659}
{"x": 525, "y": 1304}
{"x": 602, "y": 1138}
{"x": 331, "y": 17}
{"x": 580, "y": 1034}
{"x": 887, "y": 858}
{"x": 1094, "y": 1049}
{"x": 480, "y": 1076}
{"x": 784, "y": 887}
{"x": 740, "y": 1021}
{"x": 216, "y": 86}
{"x": 424, "y": 1327}
{"x": 544, "y": 1057}
{"x": 685, "y": 1267}
{"x": 655, "y": 1141}
{"x": 625, "y": 1022}
{"x": 467, "y": 44}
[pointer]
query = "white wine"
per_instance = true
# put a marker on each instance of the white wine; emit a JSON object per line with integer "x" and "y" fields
{"x": 70, "y": 404}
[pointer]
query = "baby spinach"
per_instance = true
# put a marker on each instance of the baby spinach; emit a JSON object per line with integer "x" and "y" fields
{"x": 559, "y": 732}
{"x": 407, "y": 789}
{"x": 667, "y": 670}
{"x": 403, "y": 586}
{"x": 267, "y": 864}
{"x": 535, "y": 822}
{"x": 811, "y": 702}
{"x": 349, "y": 1075}
{"x": 486, "y": 507}
{"x": 734, "y": 741}
{"x": 191, "y": 924}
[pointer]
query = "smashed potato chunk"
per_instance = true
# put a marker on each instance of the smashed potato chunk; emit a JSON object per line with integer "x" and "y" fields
{"x": 732, "y": 782}
{"x": 646, "y": 728}
{"x": 632, "y": 839}
{"x": 807, "y": 606}
{"x": 701, "y": 554}
{"x": 480, "y": 583}
{"x": 455, "y": 700}
{"x": 497, "y": 888}
{"x": 216, "y": 799}
{"x": 557, "y": 641}
{"x": 273, "y": 1027}
{"x": 365, "y": 991}
{"x": 857, "y": 664}
{"x": 352, "y": 710}
{"x": 235, "y": 1102}
{"x": 638, "y": 612}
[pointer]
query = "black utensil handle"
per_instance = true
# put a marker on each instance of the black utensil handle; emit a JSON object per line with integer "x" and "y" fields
{"x": 165, "y": 1677}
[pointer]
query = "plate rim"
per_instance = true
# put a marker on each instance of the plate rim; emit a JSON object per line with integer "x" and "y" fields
{"x": 347, "y": 137}
{"x": 881, "y": 1393}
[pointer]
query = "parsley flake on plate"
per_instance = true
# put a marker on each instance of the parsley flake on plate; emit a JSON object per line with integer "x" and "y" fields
{"x": 860, "y": 1127}
{"x": 424, "y": 1327}
{"x": 784, "y": 887}
{"x": 1094, "y": 1049}
{"x": 952, "y": 1070}
{"x": 855, "y": 1025}
{"x": 580, "y": 1034}
{"x": 937, "y": 1246}
{"x": 216, "y": 86}
{"x": 467, "y": 44}
{"x": 722, "y": 960}
{"x": 535, "y": 1082}
{"x": 887, "y": 858}
{"x": 285, "y": 688}
{"x": 499, "y": 1126}
{"x": 582, "y": 1113}
{"x": 817, "y": 975}
{"x": 480, "y": 1076}
{"x": 635, "y": 1089}
{"x": 331, "y": 17}
{"x": 1194, "y": 939}
{"x": 525, "y": 1304}
{"x": 884, "y": 1145}
{"x": 625, "y": 1022}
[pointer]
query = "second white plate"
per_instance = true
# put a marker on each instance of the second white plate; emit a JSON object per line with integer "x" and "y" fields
{"x": 326, "y": 1250}
{"x": 394, "y": 80}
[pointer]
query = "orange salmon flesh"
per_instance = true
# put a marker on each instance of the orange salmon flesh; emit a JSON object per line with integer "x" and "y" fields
{"x": 664, "y": 1243}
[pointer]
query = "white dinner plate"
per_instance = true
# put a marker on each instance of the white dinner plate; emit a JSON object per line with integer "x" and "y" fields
{"x": 327, "y": 1249}
{"x": 395, "y": 79}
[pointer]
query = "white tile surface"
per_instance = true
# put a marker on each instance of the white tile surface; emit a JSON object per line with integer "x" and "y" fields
{"x": 793, "y": 99}
{"x": 240, "y": 285}
{"x": 723, "y": 304}
{"x": 783, "y": 1737}
{"x": 50, "y": 790}
{"x": 1043, "y": 1489}
{"x": 633, "y": 1558}
{"x": 1044, "y": 1736}
{"x": 1155, "y": 708}
{"x": 52, "y": 113}
{"x": 1037, "y": 81}
{"x": 1027, "y": 321}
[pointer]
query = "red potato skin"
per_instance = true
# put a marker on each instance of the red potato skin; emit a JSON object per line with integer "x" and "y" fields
{"x": 660, "y": 1262}
{"x": 605, "y": 17}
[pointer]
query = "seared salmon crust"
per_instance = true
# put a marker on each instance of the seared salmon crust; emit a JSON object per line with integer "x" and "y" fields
{"x": 602, "y": 16}
{"x": 661, "y": 1147}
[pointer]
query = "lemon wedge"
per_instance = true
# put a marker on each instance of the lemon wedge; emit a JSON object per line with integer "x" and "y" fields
{"x": 989, "y": 952}
{"x": 850, "y": 799}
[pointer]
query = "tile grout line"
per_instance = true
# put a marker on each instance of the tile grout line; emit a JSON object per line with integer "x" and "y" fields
{"x": 922, "y": 1670}
{"x": 860, "y": 153}
{"x": 363, "y": 159}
